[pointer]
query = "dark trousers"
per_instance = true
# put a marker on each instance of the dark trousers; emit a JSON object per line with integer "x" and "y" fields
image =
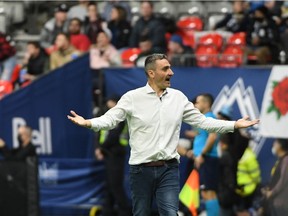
{"x": 115, "y": 193}
{"x": 161, "y": 182}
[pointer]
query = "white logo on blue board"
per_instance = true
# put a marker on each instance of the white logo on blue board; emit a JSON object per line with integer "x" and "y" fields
{"x": 246, "y": 102}
{"x": 41, "y": 138}
{"x": 48, "y": 173}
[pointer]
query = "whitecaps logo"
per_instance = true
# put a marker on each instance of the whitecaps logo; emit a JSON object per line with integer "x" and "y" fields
{"x": 48, "y": 173}
{"x": 246, "y": 102}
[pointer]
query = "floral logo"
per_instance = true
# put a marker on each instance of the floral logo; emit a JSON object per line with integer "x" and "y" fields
{"x": 279, "y": 102}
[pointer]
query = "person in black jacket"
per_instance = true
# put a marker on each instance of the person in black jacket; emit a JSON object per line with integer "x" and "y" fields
{"x": 26, "y": 148}
{"x": 236, "y": 21}
{"x": 120, "y": 27}
{"x": 148, "y": 25}
{"x": 112, "y": 150}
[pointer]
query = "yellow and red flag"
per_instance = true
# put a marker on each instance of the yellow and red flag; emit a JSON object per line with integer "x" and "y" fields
{"x": 189, "y": 195}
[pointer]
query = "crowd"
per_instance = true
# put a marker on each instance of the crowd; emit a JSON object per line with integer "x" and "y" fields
{"x": 107, "y": 35}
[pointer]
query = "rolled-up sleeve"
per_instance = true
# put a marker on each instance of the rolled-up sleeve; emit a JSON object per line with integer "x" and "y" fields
{"x": 113, "y": 116}
{"x": 195, "y": 118}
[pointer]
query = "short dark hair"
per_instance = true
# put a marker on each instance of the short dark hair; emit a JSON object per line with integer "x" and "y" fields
{"x": 77, "y": 20}
{"x": 151, "y": 59}
{"x": 66, "y": 35}
{"x": 283, "y": 143}
{"x": 36, "y": 44}
{"x": 149, "y": 2}
{"x": 208, "y": 97}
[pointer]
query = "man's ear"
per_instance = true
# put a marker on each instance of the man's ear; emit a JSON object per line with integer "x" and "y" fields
{"x": 151, "y": 73}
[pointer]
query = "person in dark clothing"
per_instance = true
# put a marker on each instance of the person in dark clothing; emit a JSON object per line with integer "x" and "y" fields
{"x": 179, "y": 54}
{"x": 277, "y": 192}
{"x": 262, "y": 36}
{"x": 148, "y": 25}
{"x": 26, "y": 148}
{"x": 146, "y": 48}
{"x": 120, "y": 27}
{"x": 93, "y": 23}
{"x": 227, "y": 177}
{"x": 112, "y": 149}
{"x": 36, "y": 62}
{"x": 236, "y": 21}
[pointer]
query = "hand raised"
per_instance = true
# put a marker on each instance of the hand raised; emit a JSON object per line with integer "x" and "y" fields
{"x": 245, "y": 122}
{"x": 79, "y": 120}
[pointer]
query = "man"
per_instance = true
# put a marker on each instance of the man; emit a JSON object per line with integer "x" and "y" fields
{"x": 206, "y": 157}
{"x": 35, "y": 62}
{"x": 65, "y": 52}
{"x": 154, "y": 115}
{"x": 179, "y": 54}
{"x": 145, "y": 46}
{"x": 80, "y": 41}
{"x": 112, "y": 150}
{"x": 25, "y": 149}
{"x": 148, "y": 25}
{"x": 79, "y": 11}
{"x": 54, "y": 26}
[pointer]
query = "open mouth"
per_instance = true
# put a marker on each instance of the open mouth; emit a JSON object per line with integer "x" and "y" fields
{"x": 167, "y": 79}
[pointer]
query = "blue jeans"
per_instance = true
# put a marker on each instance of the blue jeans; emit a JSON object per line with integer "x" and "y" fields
{"x": 6, "y": 68}
{"x": 161, "y": 182}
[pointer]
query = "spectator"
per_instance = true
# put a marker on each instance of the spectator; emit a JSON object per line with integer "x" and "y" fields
{"x": 262, "y": 37}
{"x": 248, "y": 180}
{"x": 278, "y": 189}
{"x": 65, "y": 52}
{"x": 7, "y": 57}
{"x": 274, "y": 8}
{"x": 110, "y": 4}
{"x": 145, "y": 45}
{"x": 54, "y": 26}
{"x": 284, "y": 29}
{"x": 236, "y": 21}
{"x": 25, "y": 149}
{"x": 80, "y": 41}
{"x": 79, "y": 11}
{"x": 206, "y": 157}
{"x": 35, "y": 62}
{"x": 120, "y": 27}
{"x": 227, "y": 178}
{"x": 179, "y": 54}
{"x": 112, "y": 150}
{"x": 92, "y": 23}
{"x": 103, "y": 53}
{"x": 148, "y": 25}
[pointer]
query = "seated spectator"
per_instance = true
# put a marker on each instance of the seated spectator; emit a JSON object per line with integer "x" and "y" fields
{"x": 110, "y": 4}
{"x": 79, "y": 11}
{"x": 284, "y": 29}
{"x": 179, "y": 54}
{"x": 120, "y": 27}
{"x": 277, "y": 192}
{"x": 80, "y": 41}
{"x": 65, "y": 52}
{"x": 93, "y": 23}
{"x": 146, "y": 48}
{"x": 7, "y": 57}
{"x": 262, "y": 36}
{"x": 35, "y": 62}
{"x": 148, "y": 25}
{"x": 25, "y": 149}
{"x": 54, "y": 26}
{"x": 236, "y": 21}
{"x": 103, "y": 53}
{"x": 274, "y": 8}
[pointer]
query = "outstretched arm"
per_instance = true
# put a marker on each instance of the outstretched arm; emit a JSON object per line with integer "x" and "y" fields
{"x": 245, "y": 122}
{"x": 79, "y": 120}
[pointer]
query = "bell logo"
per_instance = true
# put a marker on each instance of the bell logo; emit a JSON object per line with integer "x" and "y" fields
{"x": 40, "y": 138}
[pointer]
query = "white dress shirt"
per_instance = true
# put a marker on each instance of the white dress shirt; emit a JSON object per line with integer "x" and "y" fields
{"x": 154, "y": 122}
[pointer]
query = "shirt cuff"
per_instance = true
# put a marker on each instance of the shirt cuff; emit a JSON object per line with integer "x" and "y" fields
{"x": 94, "y": 124}
{"x": 231, "y": 126}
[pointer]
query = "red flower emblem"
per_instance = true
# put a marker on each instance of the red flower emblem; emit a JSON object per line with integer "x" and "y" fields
{"x": 280, "y": 98}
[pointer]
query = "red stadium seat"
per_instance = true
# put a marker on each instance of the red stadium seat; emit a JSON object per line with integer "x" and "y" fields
{"x": 211, "y": 39}
{"x": 206, "y": 56}
{"x": 232, "y": 56}
{"x": 6, "y": 87}
{"x": 129, "y": 56}
{"x": 191, "y": 23}
{"x": 238, "y": 39}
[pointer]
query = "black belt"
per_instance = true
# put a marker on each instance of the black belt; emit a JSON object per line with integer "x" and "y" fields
{"x": 159, "y": 163}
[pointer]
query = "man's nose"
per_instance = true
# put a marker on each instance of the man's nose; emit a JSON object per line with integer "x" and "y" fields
{"x": 171, "y": 73}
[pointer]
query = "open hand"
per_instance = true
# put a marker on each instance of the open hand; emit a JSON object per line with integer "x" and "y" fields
{"x": 245, "y": 122}
{"x": 79, "y": 120}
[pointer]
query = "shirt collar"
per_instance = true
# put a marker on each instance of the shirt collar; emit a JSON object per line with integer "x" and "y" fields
{"x": 149, "y": 90}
